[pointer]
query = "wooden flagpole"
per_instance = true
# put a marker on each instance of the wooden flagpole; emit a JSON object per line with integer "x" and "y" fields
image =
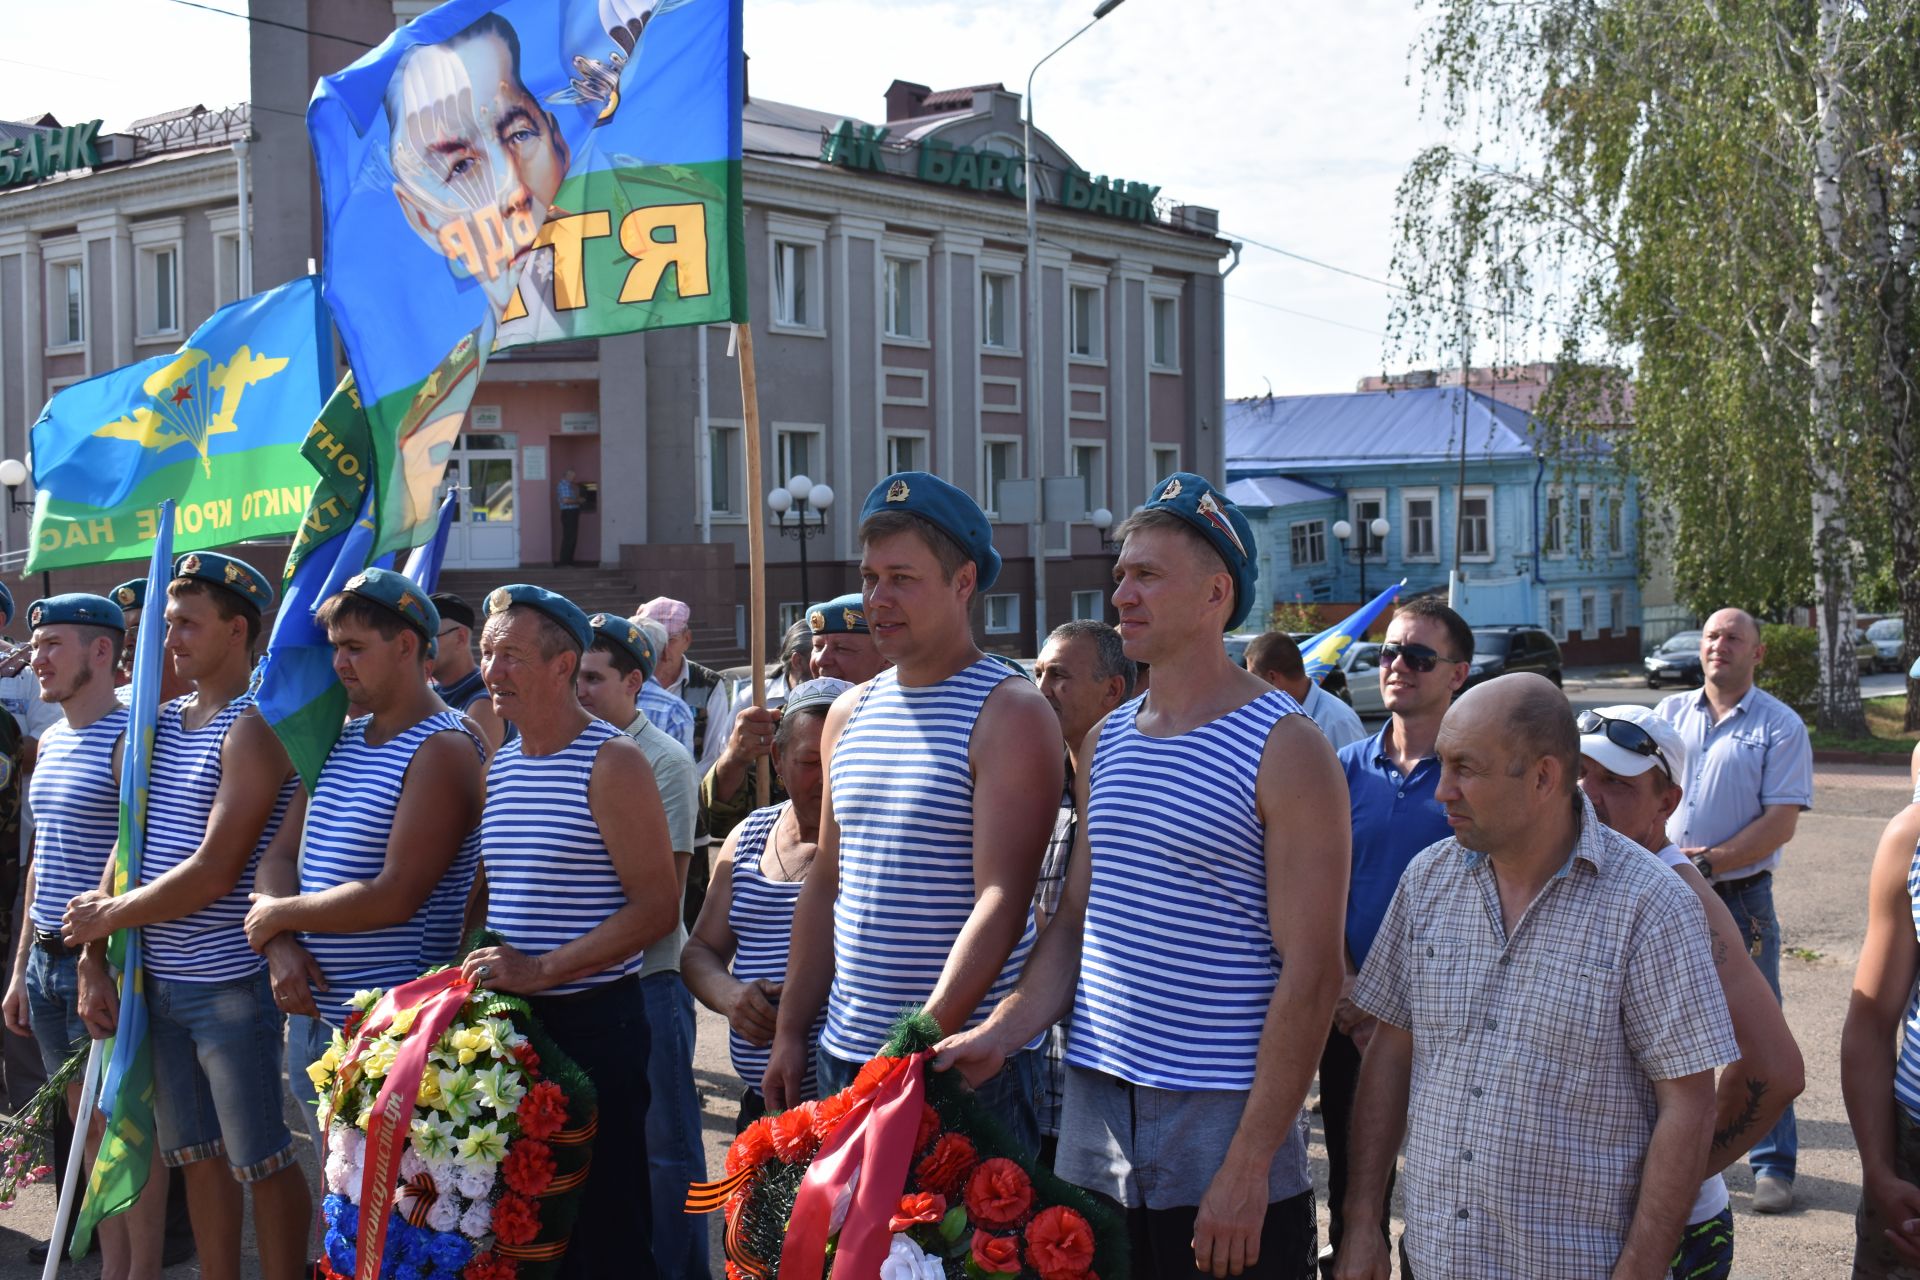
{"x": 756, "y": 551}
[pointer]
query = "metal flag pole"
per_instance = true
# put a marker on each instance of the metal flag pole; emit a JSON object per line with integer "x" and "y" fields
{"x": 70, "y": 1177}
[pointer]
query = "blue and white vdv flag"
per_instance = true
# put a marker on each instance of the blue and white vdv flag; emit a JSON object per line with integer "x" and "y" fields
{"x": 1322, "y": 653}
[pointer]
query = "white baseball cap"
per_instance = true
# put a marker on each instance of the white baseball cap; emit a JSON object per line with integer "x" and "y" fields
{"x": 1627, "y": 760}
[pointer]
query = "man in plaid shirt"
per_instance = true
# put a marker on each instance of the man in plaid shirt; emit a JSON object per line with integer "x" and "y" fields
{"x": 1549, "y": 1024}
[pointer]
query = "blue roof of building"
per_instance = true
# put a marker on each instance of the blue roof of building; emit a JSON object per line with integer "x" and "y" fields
{"x": 1277, "y": 491}
{"x": 1268, "y": 434}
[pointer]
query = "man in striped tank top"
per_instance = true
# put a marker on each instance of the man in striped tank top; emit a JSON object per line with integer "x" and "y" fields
{"x": 456, "y": 676}
{"x": 366, "y": 884}
{"x": 611, "y": 673}
{"x": 1880, "y": 1059}
{"x": 920, "y": 895}
{"x": 1198, "y": 941}
{"x": 76, "y": 789}
{"x": 578, "y": 867}
{"x": 220, "y": 784}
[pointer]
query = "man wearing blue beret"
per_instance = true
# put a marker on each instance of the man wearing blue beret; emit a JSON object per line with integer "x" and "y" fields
{"x": 578, "y": 866}
{"x": 1198, "y": 943}
{"x": 843, "y": 648}
{"x": 365, "y": 886}
{"x": 220, "y": 787}
{"x": 919, "y": 895}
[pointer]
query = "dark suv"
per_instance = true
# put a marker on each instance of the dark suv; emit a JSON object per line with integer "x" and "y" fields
{"x": 1499, "y": 651}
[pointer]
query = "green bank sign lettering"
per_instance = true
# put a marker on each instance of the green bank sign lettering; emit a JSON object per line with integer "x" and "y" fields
{"x": 42, "y": 154}
{"x": 858, "y": 147}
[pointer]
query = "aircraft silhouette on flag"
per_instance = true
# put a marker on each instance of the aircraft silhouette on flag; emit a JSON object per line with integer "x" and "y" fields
{"x": 183, "y": 391}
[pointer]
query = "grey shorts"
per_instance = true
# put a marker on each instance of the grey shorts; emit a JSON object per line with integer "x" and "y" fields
{"x": 1159, "y": 1148}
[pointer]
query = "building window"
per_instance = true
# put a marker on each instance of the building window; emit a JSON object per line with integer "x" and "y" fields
{"x": 1165, "y": 333}
{"x": 1419, "y": 524}
{"x": 906, "y": 453}
{"x": 1090, "y": 463}
{"x": 159, "y": 291}
{"x": 1309, "y": 543}
{"x": 1003, "y": 614}
{"x": 1589, "y": 625}
{"x": 226, "y": 269}
{"x": 1166, "y": 461}
{"x": 1476, "y": 524}
{"x": 794, "y": 285}
{"x": 791, "y": 611}
{"x": 1086, "y": 338}
{"x": 799, "y": 451}
{"x": 1557, "y": 615}
{"x": 66, "y": 300}
{"x": 1583, "y": 540}
{"x": 1616, "y": 531}
{"x": 999, "y": 311}
{"x": 724, "y": 472}
{"x": 1089, "y": 605}
{"x": 999, "y": 462}
{"x": 1553, "y": 539}
{"x": 1617, "y": 610}
{"x": 1364, "y": 506}
{"x": 906, "y": 298}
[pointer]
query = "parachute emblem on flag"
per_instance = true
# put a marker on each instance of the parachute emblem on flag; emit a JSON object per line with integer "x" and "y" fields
{"x": 181, "y": 394}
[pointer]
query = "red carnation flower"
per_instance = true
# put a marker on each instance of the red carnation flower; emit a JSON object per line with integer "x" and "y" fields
{"x": 529, "y": 1167}
{"x": 489, "y": 1266}
{"x": 515, "y": 1219}
{"x": 734, "y": 1272}
{"x": 828, "y": 1113}
{"x": 999, "y": 1193}
{"x": 543, "y": 1111}
{"x": 528, "y": 1056}
{"x": 793, "y": 1138}
{"x": 929, "y": 1127}
{"x": 753, "y": 1148}
{"x": 1059, "y": 1244}
{"x": 916, "y": 1209}
{"x": 996, "y": 1254}
{"x": 944, "y": 1170}
{"x": 871, "y": 1076}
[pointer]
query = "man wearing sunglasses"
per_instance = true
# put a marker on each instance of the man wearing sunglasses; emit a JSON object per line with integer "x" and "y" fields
{"x": 456, "y": 676}
{"x": 1751, "y": 773}
{"x": 1630, "y": 760}
{"x": 1390, "y": 781}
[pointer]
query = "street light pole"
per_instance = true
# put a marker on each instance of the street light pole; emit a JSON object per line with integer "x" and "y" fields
{"x": 801, "y": 495}
{"x": 1036, "y": 437}
{"x": 1379, "y": 528}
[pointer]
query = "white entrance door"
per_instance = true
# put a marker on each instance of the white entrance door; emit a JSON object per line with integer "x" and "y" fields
{"x": 486, "y": 525}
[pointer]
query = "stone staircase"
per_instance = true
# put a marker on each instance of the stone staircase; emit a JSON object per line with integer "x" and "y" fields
{"x": 597, "y": 589}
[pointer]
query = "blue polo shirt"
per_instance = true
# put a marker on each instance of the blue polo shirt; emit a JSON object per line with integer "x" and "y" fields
{"x": 1394, "y": 817}
{"x": 1759, "y": 755}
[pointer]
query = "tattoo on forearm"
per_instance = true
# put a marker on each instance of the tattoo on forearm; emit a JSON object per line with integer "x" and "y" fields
{"x": 1756, "y": 1090}
{"x": 1719, "y": 948}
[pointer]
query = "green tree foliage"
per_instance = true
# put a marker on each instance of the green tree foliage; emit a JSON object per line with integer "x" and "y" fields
{"x": 1723, "y": 198}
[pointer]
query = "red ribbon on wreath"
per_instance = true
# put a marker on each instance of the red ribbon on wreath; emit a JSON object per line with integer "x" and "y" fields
{"x": 870, "y": 1152}
{"x": 436, "y": 1000}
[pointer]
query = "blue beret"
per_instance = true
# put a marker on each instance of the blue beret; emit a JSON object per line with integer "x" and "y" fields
{"x": 235, "y": 576}
{"x": 625, "y": 633}
{"x": 553, "y": 605}
{"x": 945, "y": 507}
{"x": 1214, "y": 518}
{"x": 399, "y": 595}
{"x": 842, "y": 615}
{"x": 76, "y": 609}
{"x": 131, "y": 594}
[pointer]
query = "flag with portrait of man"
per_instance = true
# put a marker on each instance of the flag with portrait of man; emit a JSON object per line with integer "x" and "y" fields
{"x": 506, "y": 172}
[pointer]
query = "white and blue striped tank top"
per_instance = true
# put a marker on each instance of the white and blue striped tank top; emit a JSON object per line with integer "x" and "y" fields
{"x": 345, "y": 839}
{"x": 1177, "y": 966}
{"x": 903, "y": 796}
{"x": 760, "y": 913}
{"x": 549, "y": 877}
{"x": 76, "y": 813}
{"x": 207, "y": 945}
{"x": 1906, "y": 1071}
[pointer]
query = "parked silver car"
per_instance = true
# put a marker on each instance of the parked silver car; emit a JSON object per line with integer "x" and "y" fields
{"x": 1361, "y": 662}
{"x": 1887, "y": 636}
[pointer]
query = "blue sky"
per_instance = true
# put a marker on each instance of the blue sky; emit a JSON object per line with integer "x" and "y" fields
{"x": 1294, "y": 120}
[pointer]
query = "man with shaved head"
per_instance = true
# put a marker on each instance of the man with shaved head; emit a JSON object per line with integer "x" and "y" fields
{"x": 1548, "y": 1024}
{"x": 1750, "y": 773}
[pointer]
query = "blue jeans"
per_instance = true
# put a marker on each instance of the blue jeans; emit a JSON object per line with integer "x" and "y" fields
{"x": 1014, "y": 1095}
{"x": 53, "y": 1007}
{"x": 216, "y": 1074}
{"x": 307, "y": 1040}
{"x": 1751, "y": 902}
{"x": 676, "y": 1157}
